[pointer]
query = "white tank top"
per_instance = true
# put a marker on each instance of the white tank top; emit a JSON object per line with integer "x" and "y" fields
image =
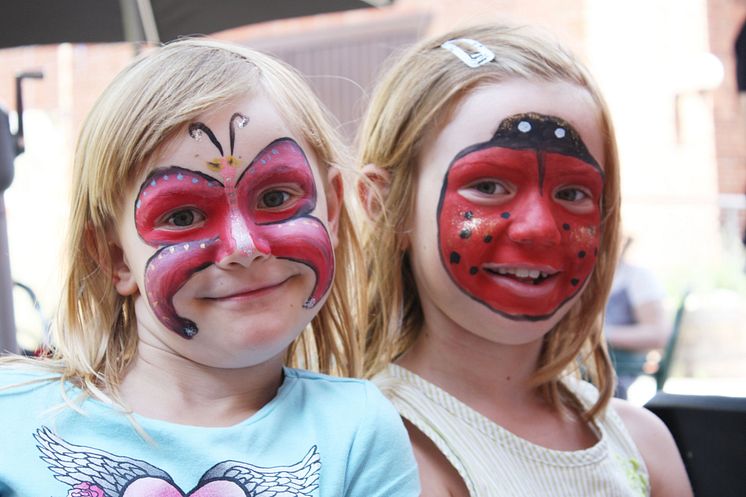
{"x": 494, "y": 462}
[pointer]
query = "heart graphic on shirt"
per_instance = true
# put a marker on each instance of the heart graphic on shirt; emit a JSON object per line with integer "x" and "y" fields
{"x": 156, "y": 487}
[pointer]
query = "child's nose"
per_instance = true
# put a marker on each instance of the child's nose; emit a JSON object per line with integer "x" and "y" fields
{"x": 242, "y": 243}
{"x": 534, "y": 223}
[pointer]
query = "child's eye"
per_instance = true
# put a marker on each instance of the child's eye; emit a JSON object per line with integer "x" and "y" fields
{"x": 183, "y": 218}
{"x": 572, "y": 195}
{"x": 575, "y": 199}
{"x": 486, "y": 191}
{"x": 490, "y": 188}
{"x": 274, "y": 199}
{"x": 278, "y": 198}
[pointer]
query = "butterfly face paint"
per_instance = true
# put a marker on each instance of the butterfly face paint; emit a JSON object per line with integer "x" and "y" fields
{"x": 519, "y": 217}
{"x": 197, "y": 219}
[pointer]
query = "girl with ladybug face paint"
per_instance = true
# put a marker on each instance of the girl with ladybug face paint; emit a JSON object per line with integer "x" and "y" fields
{"x": 492, "y": 186}
{"x": 506, "y": 230}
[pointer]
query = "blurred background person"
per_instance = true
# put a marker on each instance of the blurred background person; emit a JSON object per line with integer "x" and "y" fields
{"x": 636, "y": 320}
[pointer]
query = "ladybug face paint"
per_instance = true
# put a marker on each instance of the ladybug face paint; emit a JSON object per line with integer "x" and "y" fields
{"x": 519, "y": 217}
{"x": 197, "y": 219}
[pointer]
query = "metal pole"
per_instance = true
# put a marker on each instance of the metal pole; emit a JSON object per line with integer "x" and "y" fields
{"x": 7, "y": 318}
{"x": 20, "y": 145}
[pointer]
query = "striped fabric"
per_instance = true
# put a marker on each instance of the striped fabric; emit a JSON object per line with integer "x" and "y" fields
{"x": 494, "y": 462}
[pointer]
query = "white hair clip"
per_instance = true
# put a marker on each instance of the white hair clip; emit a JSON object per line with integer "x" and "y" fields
{"x": 479, "y": 55}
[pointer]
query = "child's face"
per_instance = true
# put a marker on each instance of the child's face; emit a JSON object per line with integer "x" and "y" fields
{"x": 508, "y": 219}
{"x": 226, "y": 240}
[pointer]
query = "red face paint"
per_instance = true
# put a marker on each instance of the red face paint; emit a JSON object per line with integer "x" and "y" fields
{"x": 519, "y": 218}
{"x": 197, "y": 220}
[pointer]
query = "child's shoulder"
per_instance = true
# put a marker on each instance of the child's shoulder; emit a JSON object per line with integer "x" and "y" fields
{"x": 312, "y": 379}
{"x": 16, "y": 379}
{"x": 585, "y": 391}
{"x": 333, "y": 389}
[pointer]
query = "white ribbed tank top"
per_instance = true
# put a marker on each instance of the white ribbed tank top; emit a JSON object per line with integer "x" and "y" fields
{"x": 494, "y": 462}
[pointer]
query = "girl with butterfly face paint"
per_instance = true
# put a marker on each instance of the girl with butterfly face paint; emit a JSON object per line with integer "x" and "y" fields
{"x": 207, "y": 231}
{"x": 493, "y": 193}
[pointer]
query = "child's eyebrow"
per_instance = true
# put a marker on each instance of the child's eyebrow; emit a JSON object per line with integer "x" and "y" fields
{"x": 176, "y": 174}
{"x": 495, "y": 157}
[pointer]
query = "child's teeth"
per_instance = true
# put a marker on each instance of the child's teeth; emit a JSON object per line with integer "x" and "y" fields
{"x": 534, "y": 274}
{"x": 522, "y": 273}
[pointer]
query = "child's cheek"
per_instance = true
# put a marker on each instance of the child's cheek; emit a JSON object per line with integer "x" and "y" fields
{"x": 581, "y": 236}
{"x": 467, "y": 237}
{"x": 304, "y": 240}
{"x": 168, "y": 270}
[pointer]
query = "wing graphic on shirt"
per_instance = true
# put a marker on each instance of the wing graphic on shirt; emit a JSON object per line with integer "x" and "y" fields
{"x": 98, "y": 473}
{"x": 298, "y": 480}
{"x": 75, "y": 464}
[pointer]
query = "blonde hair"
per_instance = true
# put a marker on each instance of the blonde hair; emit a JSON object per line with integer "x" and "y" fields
{"x": 150, "y": 101}
{"x": 415, "y": 99}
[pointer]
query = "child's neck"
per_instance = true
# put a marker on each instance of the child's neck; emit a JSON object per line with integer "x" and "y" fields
{"x": 472, "y": 368}
{"x": 493, "y": 379}
{"x": 162, "y": 385}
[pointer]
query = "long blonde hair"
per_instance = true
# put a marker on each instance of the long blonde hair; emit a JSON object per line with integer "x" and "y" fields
{"x": 414, "y": 99}
{"x": 150, "y": 101}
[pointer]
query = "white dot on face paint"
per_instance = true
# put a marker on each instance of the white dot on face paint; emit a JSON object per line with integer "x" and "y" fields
{"x": 524, "y": 126}
{"x": 559, "y": 132}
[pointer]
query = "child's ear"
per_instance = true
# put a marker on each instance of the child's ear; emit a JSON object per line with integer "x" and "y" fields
{"x": 112, "y": 261}
{"x": 121, "y": 274}
{"x": 372, "y": 190}
{"x": 334, "y": 199}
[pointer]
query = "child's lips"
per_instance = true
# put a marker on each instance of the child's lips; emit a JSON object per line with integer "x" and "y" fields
{"x": 529, "y": 281}
{"x": 248, "y": 293}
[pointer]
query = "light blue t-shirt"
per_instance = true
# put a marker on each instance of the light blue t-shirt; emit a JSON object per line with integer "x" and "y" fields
{"x": 320, "y": 436}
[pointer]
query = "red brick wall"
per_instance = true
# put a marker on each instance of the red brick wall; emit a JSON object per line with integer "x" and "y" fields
{"x": 725, "y": 19}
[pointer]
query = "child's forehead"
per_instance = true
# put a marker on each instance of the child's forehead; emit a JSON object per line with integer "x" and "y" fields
{"x": 480, "y": 113}
{"x": 235, "y": 131}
